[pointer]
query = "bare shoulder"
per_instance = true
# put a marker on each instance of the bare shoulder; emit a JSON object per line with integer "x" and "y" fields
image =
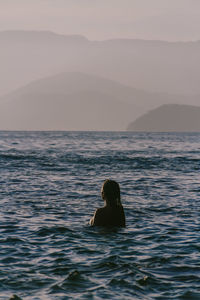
{"x": 96, "y": 216}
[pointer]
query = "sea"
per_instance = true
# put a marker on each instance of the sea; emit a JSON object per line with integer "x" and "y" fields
{"x": 50, "y": 186}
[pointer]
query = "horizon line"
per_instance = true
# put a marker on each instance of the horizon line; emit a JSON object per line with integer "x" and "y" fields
{"x": 99, "y": 40}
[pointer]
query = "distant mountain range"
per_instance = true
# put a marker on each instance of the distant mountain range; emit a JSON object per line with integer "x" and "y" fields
{"x": 91, "y": 85}
{"x": 75, "y": 101}
{"x": 156, "y": 66}
{"x": 70, "y": 101}
{"x": 168, "y": 118}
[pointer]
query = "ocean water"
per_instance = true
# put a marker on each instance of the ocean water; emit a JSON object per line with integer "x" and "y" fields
{"x": 49, "y": 189}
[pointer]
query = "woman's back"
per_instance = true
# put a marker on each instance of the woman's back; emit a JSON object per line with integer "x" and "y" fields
{"x": 109, "y": 216}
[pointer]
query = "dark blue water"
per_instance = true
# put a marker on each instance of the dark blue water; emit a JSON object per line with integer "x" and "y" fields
{"x": 50, "y": 187}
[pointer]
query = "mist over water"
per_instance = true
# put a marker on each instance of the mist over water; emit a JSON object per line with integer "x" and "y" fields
{"x": 50, "y": 187}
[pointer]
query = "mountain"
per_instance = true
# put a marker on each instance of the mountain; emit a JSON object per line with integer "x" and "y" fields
{"x": 156, "y": 66}
{"x": 18, "y": 36}
{"x": 70, "y": 101}
{"x": 167, "y": 118}
{"x": 76, "y": 101}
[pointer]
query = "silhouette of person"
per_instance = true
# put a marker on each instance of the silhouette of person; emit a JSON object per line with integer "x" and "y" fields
{"x": 112, "y": 214}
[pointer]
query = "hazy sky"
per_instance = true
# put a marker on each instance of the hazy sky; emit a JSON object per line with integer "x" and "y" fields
{"x": 104, "y": 19}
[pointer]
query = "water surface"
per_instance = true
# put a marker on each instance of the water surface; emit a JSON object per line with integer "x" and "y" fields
{"x": 50, "y": 187}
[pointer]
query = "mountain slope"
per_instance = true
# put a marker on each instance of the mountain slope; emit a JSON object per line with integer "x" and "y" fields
{"x": 69, "y": 101}
{"x": 148, "y": 65}
{"x": 76, "y": 101}
{"x": 167, "y": 118}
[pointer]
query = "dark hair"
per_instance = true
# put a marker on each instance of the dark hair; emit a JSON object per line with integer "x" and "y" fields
{"x": 111, "y": 192}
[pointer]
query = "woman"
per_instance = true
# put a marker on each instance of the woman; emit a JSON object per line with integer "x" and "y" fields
{"x": 112, "y": 214}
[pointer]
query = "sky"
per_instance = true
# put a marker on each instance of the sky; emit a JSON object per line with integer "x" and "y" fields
{"x": 106, "y": 19}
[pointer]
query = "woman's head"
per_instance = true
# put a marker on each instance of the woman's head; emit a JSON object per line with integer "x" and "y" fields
{"x": 111, "y": 192}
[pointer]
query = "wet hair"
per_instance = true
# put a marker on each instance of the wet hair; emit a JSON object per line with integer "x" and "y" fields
{"x": 111, "y": 192}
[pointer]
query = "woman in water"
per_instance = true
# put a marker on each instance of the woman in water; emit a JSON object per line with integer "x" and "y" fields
{"x": 112, "y": 214}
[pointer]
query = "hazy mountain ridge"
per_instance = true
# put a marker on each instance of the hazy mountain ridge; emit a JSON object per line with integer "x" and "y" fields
{"x": 73, "y": 82}
{"x": 56, "y": 103}
{"x": 76, "y": 101}
{"x": 40, "y": 36}
{"x": 169, "y": 118}
{"x": 157, "y": 66}
{"x": 96, "y": 77}
{"x": 23, "y": 35}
